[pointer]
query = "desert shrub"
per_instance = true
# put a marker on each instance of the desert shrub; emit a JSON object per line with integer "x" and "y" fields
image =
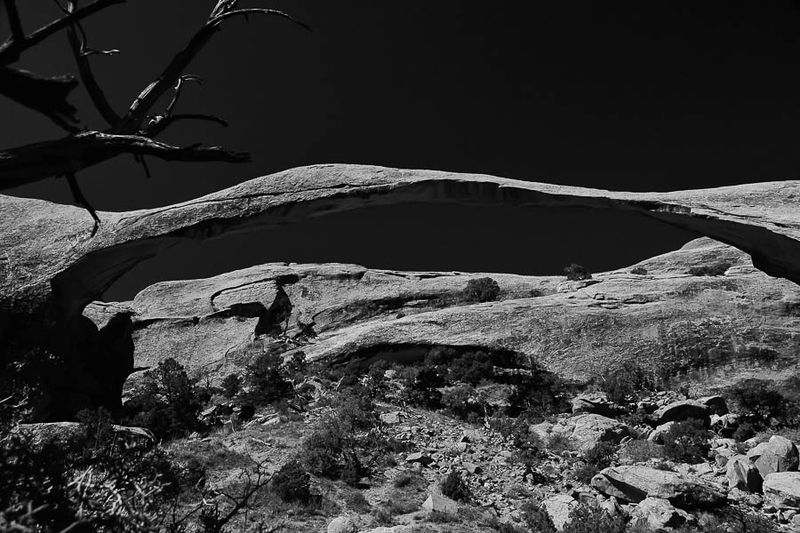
{"x": 76, "y": 481}
{"x": 639, "y": 271}
{"x": 471, "y": 367}
{"x": 356, "y": 501}
{"x": 421, "y": 388}
{"x": 576, "y": 272}
{"x": 745, "y": 431}
{"x": 592, "y": 519}
{"x": 405, "y": 479}
{"x": 687, "y": 441}
{"x": 292, "y": 484}
{"x": 267, "y": 381}
{"x": 597, "y": 458}
{"x": 625, "y": 381}
{"x": 559, "y": 443}
{"x": 438, "y": 517}
{"x": 347, "y": 442}
{"x": 536, "y": 519}
{"x": 505, "y": 527}
{"x": 714, "y": 269}
{"x": 165, "y": 401}
{"x": 231, "y": 385}
{"x": 640, "y": 451}
{"x": 464, "y": 402}
{"x": 762, "y": 402}
{"x": 537, "y": 393}
{"x": 481, "y": 290}
{"x": 453, "y": 486}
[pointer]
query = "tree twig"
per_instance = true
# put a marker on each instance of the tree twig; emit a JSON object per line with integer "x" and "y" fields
{"x": 77, "y": 42}
{"x": 13, "y": 48}
{"x": 17, "y": 33}
{"x": 174, "y": 70}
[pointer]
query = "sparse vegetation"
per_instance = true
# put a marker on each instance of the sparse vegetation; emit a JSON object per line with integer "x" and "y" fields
{"x": 639, "y": 271}
{"x": 453, "y": 486}
{"x": 576, "y": 272}
{"x": 596, "y": 459}
{"x": 481, "y": 290}
{"x": 687, "y": 442}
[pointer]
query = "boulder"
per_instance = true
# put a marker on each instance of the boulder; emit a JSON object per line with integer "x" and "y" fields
{"x": 394, "y": 529}
{"x": 342, "y": 524}
{"x": 587, "y": 430}
{"x": 594, "y": 403}
{"x": 659, "y": 514}
{"x": 716, "y": 404}
{"x": 779, "y": 455}
{"x": 782, "y": 490}
{"x": 69, "y": 433}
{"x": 725, "y": 424}
{"x": 419, "y": 457}
{"x": 440, "y": 504}
{"x": 682, "y": 410}
{"x": 657, "y": 435}
{"x": 756, "y": 451}
{"x": 390, "y": 418}
{"x": 559, "y": 507}
{"x": 635, "y": 483}
{"x": 742, "y": 474}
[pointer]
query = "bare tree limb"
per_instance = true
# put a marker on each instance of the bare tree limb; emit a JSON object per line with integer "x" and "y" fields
{"x": 159, "y": 124}
{"x": 17, "y": 33}
{"x": 174, "y": 70}
{"x": 45, "y": 95}
{"x": 77, "y": 41}
{"x": 82, "y": 201}
{"x": 13, "y": 48}
{"x": 31, "y": 163}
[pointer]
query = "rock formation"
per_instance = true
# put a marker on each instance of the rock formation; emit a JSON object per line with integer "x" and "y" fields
{"x": 51, "y": 269}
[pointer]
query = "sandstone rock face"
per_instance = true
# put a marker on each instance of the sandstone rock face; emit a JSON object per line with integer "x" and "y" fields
{"x": 595, "y": 403}
{"x": 51, "y": 269}
{"x": 682, "y": 410}
{"x": 742, "y": 474}
{"x": 340, "y": 312}
{"x": 635, "y": 483}
{"x": 440, "y": 504}
{"x": 779, "y": 455}
{"x": 782, "y": 490}
{"x": 657, "y": 436}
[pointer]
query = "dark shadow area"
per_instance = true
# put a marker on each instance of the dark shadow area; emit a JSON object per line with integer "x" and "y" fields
{"x": 425, "y": 237}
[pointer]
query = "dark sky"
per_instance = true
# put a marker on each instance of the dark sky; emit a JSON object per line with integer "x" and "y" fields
{"x": 621, "y": 95}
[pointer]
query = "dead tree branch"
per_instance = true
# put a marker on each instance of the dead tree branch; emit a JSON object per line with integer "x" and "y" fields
{"x": 134, "y": 133}
{"x": 77, "y": 42}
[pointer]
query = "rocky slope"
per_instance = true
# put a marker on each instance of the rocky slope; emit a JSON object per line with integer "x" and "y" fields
{"x": 708, "y": 326}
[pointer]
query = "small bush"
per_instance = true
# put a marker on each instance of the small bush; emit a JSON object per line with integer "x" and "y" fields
{"x": 596, "y": 459}
{"x": 421, "y": 388}
{"x": 231, "y": 385}
{"x": 166, "y": 401}
{"x": 471, "y": 367}
{"x": 559, "y": 443}
{"x": 481, "y": 290}
{"x": 639, "y": 271}
{"x": 267, "y": 381}
{"x": 715, "y": 269}
{"x": 576, "y": 272}
{"x": 622, "y": 383}
{"x": 762, "y": 402}
{"x": 453, "y": 486}
{"x": 356, "y": 501}
{"x": 292, "y": 484}
{"x": 745, "y": 431}
{"x": 687, "y": 442}
{"x": 592, "y": 519}
{"x": 537, "y": 519}
{"x": 641, "y": 451}
{"x": 463, "y": 401}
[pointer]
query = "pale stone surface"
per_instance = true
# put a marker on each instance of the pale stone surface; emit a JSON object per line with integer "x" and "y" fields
{"x": 742, "y": 474}
{"x": 440, "y": 504}
{"x": 779, "y": 455}
{"x": 658, "y": 513}
{"x": 635, "y": 483}
{"x": 558, "y": 507}
{"x": 681, "y": 410}
{"x": 342, "y": 524}
{"x": 782, "y": 490}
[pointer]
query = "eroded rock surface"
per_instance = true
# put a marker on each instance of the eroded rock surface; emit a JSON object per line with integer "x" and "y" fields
{"x": 338, "y": 312}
